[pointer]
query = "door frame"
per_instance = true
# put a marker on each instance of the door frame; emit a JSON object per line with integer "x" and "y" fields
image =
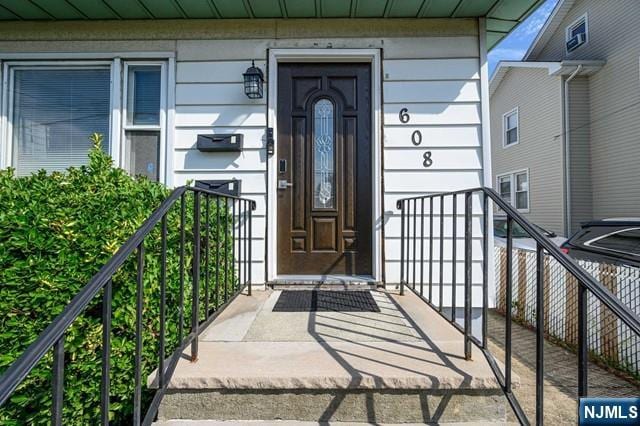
{"x": 371, "y": 56}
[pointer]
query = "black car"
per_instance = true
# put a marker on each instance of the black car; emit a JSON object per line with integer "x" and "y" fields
{"x": 609, "y": 240}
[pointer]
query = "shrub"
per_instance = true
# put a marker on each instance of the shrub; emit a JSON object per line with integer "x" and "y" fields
{"x": 56, "y": 231}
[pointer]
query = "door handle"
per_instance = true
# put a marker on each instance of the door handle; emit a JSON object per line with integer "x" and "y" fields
{"x": 283, "y": 184}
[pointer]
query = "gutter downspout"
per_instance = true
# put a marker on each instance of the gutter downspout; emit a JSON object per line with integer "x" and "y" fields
{"x": 567, "y": 151}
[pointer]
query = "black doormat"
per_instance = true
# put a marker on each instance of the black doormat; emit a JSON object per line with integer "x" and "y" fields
{"x": 325, "y": 300}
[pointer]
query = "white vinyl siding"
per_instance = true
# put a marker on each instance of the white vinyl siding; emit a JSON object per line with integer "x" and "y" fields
{"x": 432, "y": 71}
{"x": 210, "y": 99}
{"x": 442, "y": 98}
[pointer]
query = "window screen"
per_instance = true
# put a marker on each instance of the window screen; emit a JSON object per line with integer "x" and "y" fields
{"x": 54, "y": 113}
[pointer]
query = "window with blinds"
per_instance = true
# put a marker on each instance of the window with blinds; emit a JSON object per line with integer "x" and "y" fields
{"x": 54, "y": 113}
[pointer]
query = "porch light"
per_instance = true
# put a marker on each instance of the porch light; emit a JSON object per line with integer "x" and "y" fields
{"x": 253, "y": 80}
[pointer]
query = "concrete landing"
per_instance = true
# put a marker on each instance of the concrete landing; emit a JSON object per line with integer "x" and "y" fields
{"x": 404, "y": 364}
{"x": 404, "y": 346}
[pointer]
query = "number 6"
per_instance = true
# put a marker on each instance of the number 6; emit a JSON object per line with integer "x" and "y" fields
{"x": 404, "y": 115}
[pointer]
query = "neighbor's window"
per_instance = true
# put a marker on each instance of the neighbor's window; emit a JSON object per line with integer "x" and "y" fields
{"x": 504, "y": 186}
{"x": 577, "y": 34}
{"x": 511, "y": 128}
{"x": 142, "y": 128}
{"x": 522, "y": 191}
{"x": 55, "y": 110}
{"x": 514, "y": 189}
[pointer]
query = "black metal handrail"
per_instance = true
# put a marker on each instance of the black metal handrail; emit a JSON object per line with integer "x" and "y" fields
{"x": 240, "y": 267}
{"x": 586, "y": 282}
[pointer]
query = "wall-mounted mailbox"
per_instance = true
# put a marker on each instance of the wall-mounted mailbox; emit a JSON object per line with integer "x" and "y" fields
{"x": 229, "y": 187}
{"x": 220, "y": 143}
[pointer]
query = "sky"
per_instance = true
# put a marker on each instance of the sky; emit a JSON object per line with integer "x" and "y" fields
{"x": 515, "y": 45}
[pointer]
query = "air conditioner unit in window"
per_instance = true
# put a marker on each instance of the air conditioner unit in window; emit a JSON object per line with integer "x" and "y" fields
{"x": 576, "y": 41}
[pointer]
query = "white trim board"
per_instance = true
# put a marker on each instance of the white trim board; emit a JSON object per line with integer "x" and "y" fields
{"x": 372, "y": 56}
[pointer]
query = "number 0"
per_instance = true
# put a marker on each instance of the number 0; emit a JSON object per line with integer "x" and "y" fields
{"x": 416, "y": 137}
{"x": 404, "y": 115}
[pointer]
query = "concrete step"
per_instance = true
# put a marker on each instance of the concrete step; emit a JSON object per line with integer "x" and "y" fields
{"x": 404, "y": 364}
{"x": 297, "y": 423}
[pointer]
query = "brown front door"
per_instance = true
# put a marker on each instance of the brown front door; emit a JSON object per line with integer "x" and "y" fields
{"x": 324, "y": 169}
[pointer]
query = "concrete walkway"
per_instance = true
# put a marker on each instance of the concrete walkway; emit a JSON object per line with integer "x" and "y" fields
{"x": 404, "y": 346}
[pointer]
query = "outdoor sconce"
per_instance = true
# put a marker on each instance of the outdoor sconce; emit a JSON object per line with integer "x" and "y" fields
{"x": 253, "y": 81}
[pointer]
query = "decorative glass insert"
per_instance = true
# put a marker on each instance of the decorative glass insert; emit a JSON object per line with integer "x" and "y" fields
{"x": 324, "y": 148}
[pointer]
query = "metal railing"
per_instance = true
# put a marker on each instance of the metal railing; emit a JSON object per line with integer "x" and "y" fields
{"x": 232, "y": 257}
{"x": 417, "y": 255}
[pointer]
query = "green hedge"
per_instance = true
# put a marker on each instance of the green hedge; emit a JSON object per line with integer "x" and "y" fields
{"x": 56, "y": 231}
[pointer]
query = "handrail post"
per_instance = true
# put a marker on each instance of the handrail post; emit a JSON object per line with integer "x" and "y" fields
{"x": 508, "y": 296}
{"x": 485, "y": 268}
{"x": 251, "y": 207}
{"x": 195, "y": 302}
{"x": 583, "y": 383}
{"x": 57, "y": 382}
{"x": 467, "y": 274}
{"x": 402, "y": 254}
{"x": 539, "y": 335}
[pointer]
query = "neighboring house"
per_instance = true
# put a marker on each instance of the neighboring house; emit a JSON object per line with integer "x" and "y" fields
{"x": 399, "y": 107}
{"x": 565, "y": 121}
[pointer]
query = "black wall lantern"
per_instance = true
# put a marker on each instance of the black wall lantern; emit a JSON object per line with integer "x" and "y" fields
{"x": 253, "y": 80}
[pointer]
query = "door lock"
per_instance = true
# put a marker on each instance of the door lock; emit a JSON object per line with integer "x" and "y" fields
{"x": 283, "y": 184}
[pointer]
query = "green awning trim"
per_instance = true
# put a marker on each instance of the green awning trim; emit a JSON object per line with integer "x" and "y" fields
{"x": 503, "y": 15}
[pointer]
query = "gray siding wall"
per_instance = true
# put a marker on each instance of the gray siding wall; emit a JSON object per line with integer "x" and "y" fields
{"x": 538, "y": 98}
{"x": 614, "y": 35}
{"x": 579, "y": 153}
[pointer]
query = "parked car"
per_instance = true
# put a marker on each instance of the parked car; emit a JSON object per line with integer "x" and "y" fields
{"x": 521, "y": 239}
{"x": 609, "y": 240}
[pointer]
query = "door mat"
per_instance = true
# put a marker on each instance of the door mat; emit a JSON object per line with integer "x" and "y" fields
{"x": 325, "y": 301}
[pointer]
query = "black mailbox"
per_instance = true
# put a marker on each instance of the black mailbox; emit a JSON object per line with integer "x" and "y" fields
{"x": 229, "y": 187}
{"x": 220, "y": 143}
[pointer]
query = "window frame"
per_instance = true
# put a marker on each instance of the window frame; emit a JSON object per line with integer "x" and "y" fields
{"x": 571, "y": 27}
{"x": 505, "y": 116}
{"x": 512, "y": 188}
{"x": 8, "y": 99}
{"x": 590, "y": 243}
{"x": 113, "y": 60}
{"x": 162, "y": 123}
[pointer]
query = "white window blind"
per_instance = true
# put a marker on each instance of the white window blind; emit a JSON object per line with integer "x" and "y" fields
{"x": 54, "y": 113}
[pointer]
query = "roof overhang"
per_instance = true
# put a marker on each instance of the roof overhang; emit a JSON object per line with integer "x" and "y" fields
{"x": 549, "y": 28}
{"x": 561, "y": 68}
{"x": 502, "y": 15}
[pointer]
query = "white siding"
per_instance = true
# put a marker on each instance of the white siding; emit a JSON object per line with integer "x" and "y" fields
{"x": 442, "y": 97}
{"x": 210, "y": 98}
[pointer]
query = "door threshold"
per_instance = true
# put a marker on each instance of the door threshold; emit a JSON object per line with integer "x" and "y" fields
{"x": 324, "y": 280}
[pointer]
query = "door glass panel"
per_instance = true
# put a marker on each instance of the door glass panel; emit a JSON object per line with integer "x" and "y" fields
{"x": 323, "y": 152}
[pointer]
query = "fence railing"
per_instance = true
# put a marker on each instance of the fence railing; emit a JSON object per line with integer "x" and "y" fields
{"x": 215, "y": 235}
{"x": 610, "y": 341}
{"x": 445, "y": 260}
